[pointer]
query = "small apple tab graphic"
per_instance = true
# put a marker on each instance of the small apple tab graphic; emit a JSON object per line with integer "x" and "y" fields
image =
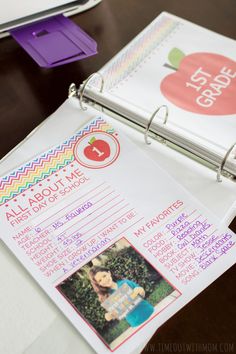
{"x": 202, "y": 83}
{"x": 97, "y": 150}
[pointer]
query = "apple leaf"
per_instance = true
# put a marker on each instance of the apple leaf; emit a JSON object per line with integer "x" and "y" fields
{"x": 91, "y": 141}
{"x": 175, "y": 57}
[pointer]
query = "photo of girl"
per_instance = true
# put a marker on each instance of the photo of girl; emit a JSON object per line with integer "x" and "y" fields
{"x": 117, "y": 292}
{"x": 104, "y": 284}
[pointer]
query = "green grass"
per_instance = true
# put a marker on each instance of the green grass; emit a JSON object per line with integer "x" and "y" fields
{"x": 116, "y": 331}
{"x": 162, "y": 290}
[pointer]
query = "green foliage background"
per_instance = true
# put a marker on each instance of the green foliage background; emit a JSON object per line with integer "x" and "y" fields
{"x": 123, "y": 264}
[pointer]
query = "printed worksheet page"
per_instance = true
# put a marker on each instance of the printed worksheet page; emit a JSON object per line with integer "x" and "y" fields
{"x": 113, "y": 240}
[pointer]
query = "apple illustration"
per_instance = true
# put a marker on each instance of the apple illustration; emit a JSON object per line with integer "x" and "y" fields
{"x": 97, "y": 150}
{"x": 203, "y": 83}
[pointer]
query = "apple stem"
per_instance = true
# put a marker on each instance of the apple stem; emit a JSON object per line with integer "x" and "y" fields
{"x": 166, "y": 65}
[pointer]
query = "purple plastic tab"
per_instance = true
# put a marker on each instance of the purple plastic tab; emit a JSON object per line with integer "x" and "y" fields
{"x": 55, "y": 41}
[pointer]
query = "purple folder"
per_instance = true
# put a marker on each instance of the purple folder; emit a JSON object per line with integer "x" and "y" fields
{"x": 54, "y": 41}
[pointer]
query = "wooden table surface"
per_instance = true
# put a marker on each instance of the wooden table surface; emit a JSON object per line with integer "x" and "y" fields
{"x": 28, "y": 94}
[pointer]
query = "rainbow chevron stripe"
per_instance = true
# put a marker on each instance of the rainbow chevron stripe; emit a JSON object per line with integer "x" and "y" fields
{"x": 138, "y": 50}
{"x": 43, "y": 166}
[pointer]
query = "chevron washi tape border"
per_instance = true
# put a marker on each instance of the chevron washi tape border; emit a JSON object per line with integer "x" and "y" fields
{"x": 43, "y": 166}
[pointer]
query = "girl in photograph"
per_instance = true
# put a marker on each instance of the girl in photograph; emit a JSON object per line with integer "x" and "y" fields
{"x": 104, "y": 283}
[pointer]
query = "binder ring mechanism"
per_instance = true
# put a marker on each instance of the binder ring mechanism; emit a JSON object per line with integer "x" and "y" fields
{"x": 151, "y": 119}
{"x": 221, "y": 167}
{"x": 79, "y": 93}
{"x": 83, "y": 87}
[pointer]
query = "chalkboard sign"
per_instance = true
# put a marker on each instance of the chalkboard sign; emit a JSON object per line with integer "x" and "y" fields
{"x": 121, "y": 302}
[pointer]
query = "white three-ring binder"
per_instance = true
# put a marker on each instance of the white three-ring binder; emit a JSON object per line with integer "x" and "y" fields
{"x": 187, "y": 68}
{"x": 129, "y": 88}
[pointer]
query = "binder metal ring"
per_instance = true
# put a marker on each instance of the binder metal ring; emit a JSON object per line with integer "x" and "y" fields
{"x": 151, "y": 119}
{"x": 82, "y": 89}
{"x": 220, "y": 169}
{"x": 72, "y": 92}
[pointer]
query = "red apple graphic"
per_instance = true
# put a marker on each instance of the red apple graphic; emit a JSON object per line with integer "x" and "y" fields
{"x": 97, "y": 150}
{"x": 204, "y": 83}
